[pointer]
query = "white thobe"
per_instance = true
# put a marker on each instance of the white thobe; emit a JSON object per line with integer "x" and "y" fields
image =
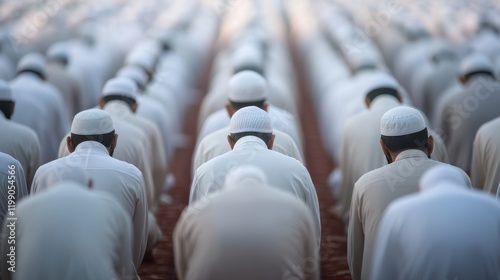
{"x": 67, "y": 85}
{"x": 120, "y": 179}
{"x": 485, "y": 169}
{"x": 12, "y": 179}
{"x": 155, "y": 144}
{"x": 464, "y": 113}
{"x": 282, "y": 172}
{"x": 248, "y": 231}
{"x": 372, "y": 193}
{"x": 22, "y": 144}
{"x": 38, "y": 101}
{"x": 71, "y": 233}
{"x": 131, "y": 148}
{"x": 215, "y": 144}
{"x": 360, "y": 149}
{"x": 280, "y": 120}
{"x": 148, "y": 108}
{"x": 445, "y": 232}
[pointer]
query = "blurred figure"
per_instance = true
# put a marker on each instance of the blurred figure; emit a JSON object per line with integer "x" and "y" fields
{"x": 39, "y": 104}
{"x": 97, "y": 246}
{"x": 444, "y": 232}
{"x": 20, "y": 141}
{"x": 13, "y": 182}
{"x": 249, "y": 230}
{"x": 464, "y": 112}
{"x": 485, "y": 170}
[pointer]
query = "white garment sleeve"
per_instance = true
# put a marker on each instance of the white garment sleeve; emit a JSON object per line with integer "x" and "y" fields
{"x": 355, "y": 238}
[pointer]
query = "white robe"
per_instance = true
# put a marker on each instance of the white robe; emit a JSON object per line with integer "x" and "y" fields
{"x": 22, "y": 144}
{"x": 120, "y": 179}
{"x": 248, "y": 231}
{"x": 463, "y": 114}
{"x": 445, "y": 232}
{"x": 88, "y": 236}
{"x": 154, "y": 147}
{"x": 282, "y": 171}
{"x": 373, "y": 192}
{"x": 485, "y": 170}
{"x": 215, "y": 144}
{"x": 12, "y": 179}
{"x": 40, "y": 106}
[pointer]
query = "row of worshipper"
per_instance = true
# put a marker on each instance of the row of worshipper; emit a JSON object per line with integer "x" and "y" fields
{"x": 253, "y": 209}
{"x": 143, "y": 105}
{"x": 352, "y": 132}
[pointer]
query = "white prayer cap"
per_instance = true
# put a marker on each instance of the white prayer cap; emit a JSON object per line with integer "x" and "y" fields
{"x": 122, "y": 86}
{"x": 250, "y": 119}
{"x": 475, "y": 62}
{"x": 247, "y": 86}
{"x": 58, "y": 51}
{"x": 5, "y": 91}
{"x": 245, "y": 172}
{"x": 380, "y": 80}
{"x": 402, "y": 120}
{"x": 135, "y": 73}
{"x": 67, "y": 173}
{"x": 145, "y": 59}
{"x": 443, "y": 173}
{"x": 248, "y": 56}
{"x": 32, "y": 62}
{"x": 92, "y": 122}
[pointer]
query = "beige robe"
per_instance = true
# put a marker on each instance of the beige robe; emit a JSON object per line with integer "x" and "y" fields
{"x": 248, "y": 231}
{"x": 373, "y": 192}
{"x": 485, "y": 171}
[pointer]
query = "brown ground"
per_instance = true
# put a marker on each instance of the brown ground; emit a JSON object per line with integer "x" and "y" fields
{"x": 333, "y": 245}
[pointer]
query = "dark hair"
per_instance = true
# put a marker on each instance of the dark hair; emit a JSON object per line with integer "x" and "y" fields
{"x": 5, "y": 107}
{"x": 483, "y": 72}
{"x": 264, "y": 136}
{"x": 417, "y": 140}
{"x": 254, "y": 68}
{"x": 381, "y": 91}
{"x": 105, "y": 139}
{"x": 61, "y": 59}
{"x": 239, "y": 105}
{"x": 128, "y": 100}
{"x": 40, "y": 75}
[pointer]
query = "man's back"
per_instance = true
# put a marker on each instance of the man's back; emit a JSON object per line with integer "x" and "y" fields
{"x": 230, "y": 238}
{"x": 283, "y": 172}
{"x": 454, "y": 234}
{"x": 485, "y": 170}
{"x": 87, "y": 236}
{"x": 464, "y": 113}
{"x": 122, "y": 180}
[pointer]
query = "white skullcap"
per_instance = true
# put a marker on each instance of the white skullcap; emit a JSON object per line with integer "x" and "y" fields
{"x": 5, "y": 91}
{"x": 245, "y": 172}
{"x": 32, "y": 62}
{"x": 122, "y": 86}
{"x": 67, "y": 173}
{"x": 247, "y": 86}
{"x": 247, "y": 56}
{"x": 402, "y": 120}
{"x": 443, "y": 173}
{"x": 145, "y": 59}
{"x": 135, "y": 73}
{"x": 58, "y": 51}
{"x": 380, "y": 80}
{"x": 474, "y": 63}
{"x": 250, "y": 119}
{"x": 92, "y": 122}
